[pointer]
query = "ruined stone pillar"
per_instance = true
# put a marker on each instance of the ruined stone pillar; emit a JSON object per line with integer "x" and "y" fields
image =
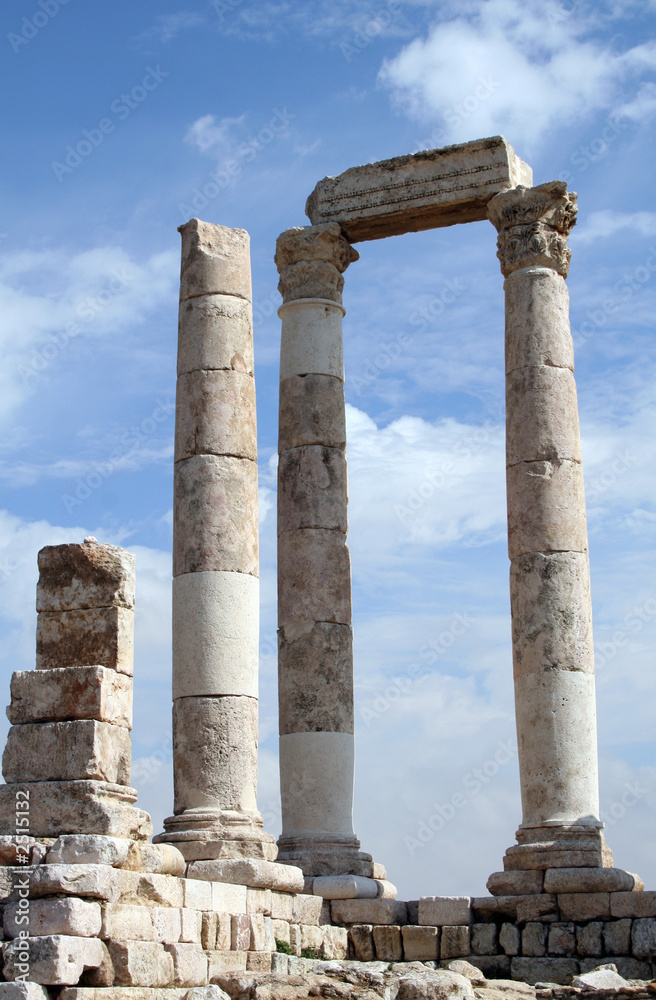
{"x": 547, "y": 539}
{"x": 215, "y": 556}
{"x": 315, "y": 649}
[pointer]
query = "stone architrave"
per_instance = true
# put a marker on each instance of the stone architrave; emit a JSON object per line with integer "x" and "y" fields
{"x": 547, "y": 539}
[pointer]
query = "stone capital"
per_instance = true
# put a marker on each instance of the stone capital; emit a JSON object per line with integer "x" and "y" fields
{"x": 533, "y": 225}
{"x": 311, "y": 261}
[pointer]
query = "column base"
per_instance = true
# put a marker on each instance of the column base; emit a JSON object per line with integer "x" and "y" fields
{"x": 577, "y": 845}
{"x": 215, "y": 834}
{"x": 319, "y": 856}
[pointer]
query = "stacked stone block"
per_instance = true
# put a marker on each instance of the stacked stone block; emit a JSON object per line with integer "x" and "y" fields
{"x": 68, "y": 750}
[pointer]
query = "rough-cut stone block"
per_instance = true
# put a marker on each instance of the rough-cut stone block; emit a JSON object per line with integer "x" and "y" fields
{"x": 335, "y": 944}
{"x": 156, "y": 859}
{"x": 492, "y": 967}
{"x": 425, "y": 190}
{"x": 262, "y": 938}
{"x": 215, "y": 524}
{"x": 534, "y": 940}
{"x": 643, "y": 938}
{"x": 566, "y": 880}
{"x": 197, "y": 895}
{"x": 54, "y": 960}
{"x": 368, "y": 911}
{"x": 490, "y": 907}
{"x": 306, "y": 909}
{"x": 515, "y": 883}
{"x": 229, "y": 898}
{"x": 311, "y": 412}
{"x": 127, "y": 922}
{"x": 258, "y": 901}
{"x": 23, "y": 991}
{"x": 562, "y": 939}
{"x": 58, "y": 807}
{"x": 617, "y": 937}
{"x": 166, "y": 924}
{"x": 311, "y": 939}
{"x": 76, "y": 917}
{"x": 70, "y": 693}
{"x": 580, "y": 906}
{"x": 440, "y": 911}
{"x": 189, "y": 964}
{"x": 222, "y": 962}
{"x": 420, "y": 944}
{"x": 141, "y": 963}
{"x": 546, "y": 508}
{"x": 223, "y": 932}
{"x": 312, "y": 489}
{"x": 67, "y": 751}
{"x": 633, "y": 904}
{"x": 89, "y": 849}
{"x": 362, "y": 939}
{"x": 215, "y": 332}
{"x": 327, "y": 704}
{"x": 162, "y": 890}
{"x": 388, "y": 943}
{"x": 484, "y": 939}
{"x": 259, "y": 961}
{"x": 537, "y": 321}
{"x": 249, "y": 872}
{"x": 73, "y": 577}
{"x": 96, "y": 881}
{"x": 314, "y": 577}
{"x": 123, "y": 993}
{"x": 543, "y": 417}
{"x": 537, "y": 908}
{"x": 629, "y": 968}
{"x": 345, "y": 886}
{"x": 86, "y": 638}
{"x": 281, "y": 906}
{"x": 281, "y": 932}
{"x": 544, "y": 970}
{"x": 215, "y": 259}
{"x": 215, "y": 415}
{"x": 589, "y": 939}
{"x": 454, "y": 941}
{"x": 240, "y": 935}
{"x": 209, "y": 930}
{"x": 601, "y": 979}
{"x": 509, "y": 939}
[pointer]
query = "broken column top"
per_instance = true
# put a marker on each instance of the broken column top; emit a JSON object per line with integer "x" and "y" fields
{"x": 426, "y": 190}
{"x": 89, "y": 575}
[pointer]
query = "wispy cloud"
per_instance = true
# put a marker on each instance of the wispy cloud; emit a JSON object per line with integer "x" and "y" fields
{"x": 206, "y": 133}
{"x": 169, "y": 26}
{"x": 601, "y": 225}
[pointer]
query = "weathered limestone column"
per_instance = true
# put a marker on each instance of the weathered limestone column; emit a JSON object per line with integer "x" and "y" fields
{"x": 547, "y": 539}
{"x": 215, "y": 556}
{"x": 315, "y": 658}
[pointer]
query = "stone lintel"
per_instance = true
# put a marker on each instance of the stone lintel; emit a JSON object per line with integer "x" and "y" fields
{"x": 426, "y": 190}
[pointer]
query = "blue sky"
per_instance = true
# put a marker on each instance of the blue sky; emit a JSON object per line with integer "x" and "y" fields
{"x": 116, "y": 116}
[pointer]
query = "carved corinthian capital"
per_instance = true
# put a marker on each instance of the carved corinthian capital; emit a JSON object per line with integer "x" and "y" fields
{"x": 533, "y": 225}
{"x": 311, "y": 261}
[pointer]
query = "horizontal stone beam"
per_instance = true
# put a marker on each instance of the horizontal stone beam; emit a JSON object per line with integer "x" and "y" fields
{"x": 426, "y": 190}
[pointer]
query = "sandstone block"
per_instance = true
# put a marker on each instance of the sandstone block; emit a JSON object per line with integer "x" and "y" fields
{"x": 534, "y": 940}
{"x": 388, "y": 943}
{"x": 74, "y": 577}
{"x": 371, "y": 201}
{"x": 362, "y": 939}
{"x": 387, "y": 890}
{"x": 454, "y": 941}
{"x": 541, "y": 970}
{"x": 490, "y": 907}
{"x": 222, "y": 962}
{"x": 629, "y": 968}
{"x": 542, "y": 416}
{"x": 206, "y": 993}
{"x": 215, "y": 415}
{"x": 314, "y": 577}
{"x": 210, "y": 845}
{"x": 306, "y": 909}
{"x": 197, "y": 895}
{"x": 633, "y": 904}
{"x": 215, "y": 762}
{"x": 546, "y": 508}
{"x": 258, "y": 901}
{"x": 54, "y": 960}
{"x": 209, "y": 930}
{"x": 89, "y": 637}
{"x": 440, "y": 911}
{"x": 562, "y": 939}
{"x": 345, "y": 887}
{"x": 167, "y": 925}
{"x": 58, "y": 807}
{"x": 602, "y": 979}
{"x": 89, "y": 849}
{"x": 509, "y": 939}
{"x": 157, "y": 859}
{"x": 215, "y": 259}
{"x": 281, "y": 906}
{"x": 311, "y": 412}
{"x": 368, "y": 911}
{"x": 617, "y": 937}
{"x": 580, "y": 906}
{"x": 262, "y": 935}
{"x": 240, "y": 937}
{"x": 259, "y": 961}
{"x": 46, "y": 917}
{"x": 223, "y": 932}
{"x": 295, "y": 938}
{"x": 189, "y": 964}
{"x": 23, "y": 991}
{"x": 567, "y": 880}
{"x": 162, "y": 890}
{"x": 542, "y": 908}
{"x": 121, "y": 921}
{"x": 279, "y": 964}
{"x": 420, "y": 944}
{"x": 141, "y": 963}
{"x": 589, "y": 939}
{"x": 484, "y": 939}
{"x": 281, "y": 931}
{"x": 248, "y": 872}
{"x": 215, "y": 332}
{"x": 643, "y": 938}
{"x": 335, "y": 944}
{"x": 312, "y": 489}
{"x": 311, "y": 939}
{"x": 95, "y": 881}
{"x": 214, "y": 515}
{"x": 229, "y": 898}
{"x": 537, "y": 320}
{"x": 326, "y": 705}
{"x": 515, "y": 883}
{"x": 70, "y": 693}
{"x": 67, "y": 751}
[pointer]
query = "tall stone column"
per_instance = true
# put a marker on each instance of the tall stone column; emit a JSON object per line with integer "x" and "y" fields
{"x": 547, "y": 540}
{"x": 215, "y": 556}
{"x": 315, "y": 649}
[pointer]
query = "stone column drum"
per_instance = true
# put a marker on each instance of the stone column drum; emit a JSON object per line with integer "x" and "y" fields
{"x": 547, "y": 540}
{"x": 215, "y": 556}
{"x": 315, "y": 658}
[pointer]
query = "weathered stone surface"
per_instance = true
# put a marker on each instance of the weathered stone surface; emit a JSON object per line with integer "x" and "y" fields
{"x": 141, "y": 963}
{"x": 214, "y": 524}
{"x": 281, "y": 906}
{"x": 312, "y": 489}
{"x": 67, "y": 751}
{"x": 454, "y": 942}
{"x": 158, "y": 859}
{"x": 537, "y": 320}
{"x": 210, "y": 846}
{"x": 541, "y": 908}
{"x": 306, "y": 909}
{"x": 54, "y": 960}
{"x": 589, "y": 939}
{"x": 86, "y": 638}
{"x": 161, "y": 890}
{"x": 490, "y": 907}
{"x": 515, "y": 883}
{"x": 99, "y": 881}
{"x": 73, "y": 577}
{"x": 362, "y": 938}
{"x": 311, "y": 339}
{"x": 544, "y": 970}
{"x": 484, "y": 939}
{"x": 469, "y": 971}
{"x": 167, "y": 924}
{"x": 249, "y": 872}
{"x": 602, "y": 979}
{"x": 215, "y": 259}
{"x": 643, "y": 938}
{"x": 119, "y": 993}
{"x": 311, "y": 260}
{"x": 345, "y": 887}
{"x": 562, "y": 939}
{"x": 633, "y": 904}
{"x": 121, "y": 921}
{"x": 314, "y": 577}
{"x": 629, "y": 968}
{"x": 215, "y": 332}
{"x": 542, "y": 421}
{"x": 206, "y": 993}
{"x": 189, "y": 964}
{"x": 617, "y": 937}
{"x": 222, "y": 962}
{"x": 23, "y": 991}
{"x": 311, "y": 939}
{"x": 259, "y": 961}
{"x": 76, "y": 917}
{"x": 429, "y": 985}
{"x": 215, "y": 754}
{"x": 326, "y": 704}
{"x": 533, "y": 224}
{"x": 316, "y": 771}
{"x": 258, "y": 901}
{"x": 554, "y": 855}
{"x": 580, "y": 906}
{"x": 369, "y": 911}
{"x": 335, "y": 943}
{"x": 440, "y": 911}
{"x": 71, "y": 693}
{"x": 534, "y": 940}
{"x": 546, "y": 508}
{"x": 311, "y": 412}
{"x": 229, "y": 898}
{"x": 240, "y": 933}
{"x": 215, "y": 415}
{"x": 568, "y": 880}
{"x": 89, "y": 849}
{"x": 425, "y": 190}
{"x": 388, "y": 943}
{"x": 509, "y": 939}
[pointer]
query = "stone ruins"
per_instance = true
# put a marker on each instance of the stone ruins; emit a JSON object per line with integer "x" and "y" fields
{"x": 213, "y": 906}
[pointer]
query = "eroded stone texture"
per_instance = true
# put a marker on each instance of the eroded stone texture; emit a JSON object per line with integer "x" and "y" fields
{"x": 312, "y": 489}
{"x": 566, "y": 880}
{"x": 67, "y": 751}
{"x": 311, "y": 261}
{"x": 533, "y": 225}
{"x": 73, "y": 577}
{"x": 215, "y": 415}
{"x": 543, "y": 417}
{"x": 215, "y": 332}
{"x": 215, "y": 259}
{"x": 58, "y": 807}
{"x": 325, "y": 704}
{"x": 89, "y": 849}
{"x": 90, "y": 637}
{"x": 77, "y": 917}
{"x": 537, "y": 320}
{"x": 314, "y": 577}
{"x": 546, "y": 508}
{"x": 311, "y": 412}
{"x": 71, "y": 693}
{"x": 56, "y": 959}
{"x": 249, "y": 872}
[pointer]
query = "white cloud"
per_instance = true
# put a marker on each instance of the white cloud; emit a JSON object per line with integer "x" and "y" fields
{"x": 169, "y": 26}
{"x": 206, "y": 133}
{"x": 601, "y": 225}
